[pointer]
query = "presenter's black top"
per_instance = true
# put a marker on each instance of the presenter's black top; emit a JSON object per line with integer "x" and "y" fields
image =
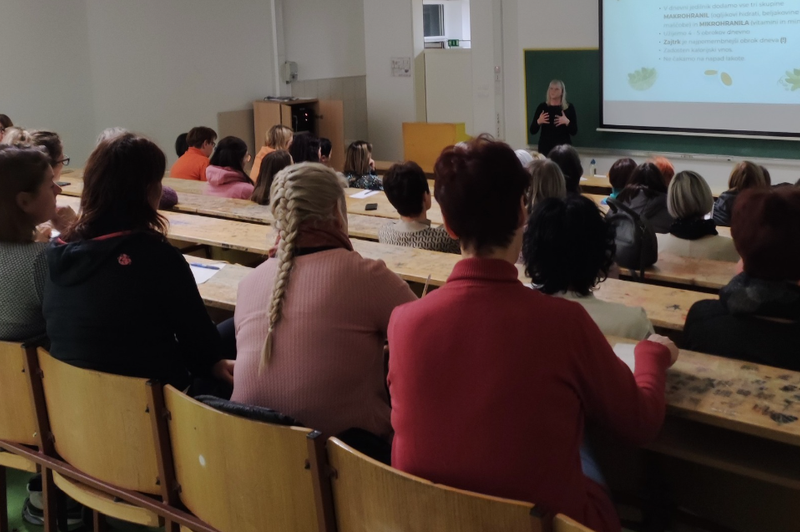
{"x": 553, "y": 135}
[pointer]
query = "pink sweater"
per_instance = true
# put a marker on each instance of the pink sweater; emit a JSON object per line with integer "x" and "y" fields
{"x": 228, "y": 183}
{"x": 327, "y": 366}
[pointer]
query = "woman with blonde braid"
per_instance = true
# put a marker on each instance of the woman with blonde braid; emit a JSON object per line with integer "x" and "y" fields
{"x": 311, "y": 321}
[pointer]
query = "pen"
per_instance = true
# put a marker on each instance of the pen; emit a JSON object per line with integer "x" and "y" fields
{"x": 206, "y": 266}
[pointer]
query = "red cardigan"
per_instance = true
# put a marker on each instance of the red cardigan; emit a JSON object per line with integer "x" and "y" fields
{"x": 491, "y": 383}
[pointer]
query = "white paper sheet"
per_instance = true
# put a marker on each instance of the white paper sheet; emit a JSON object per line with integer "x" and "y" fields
{"x": 364, "y": 194}
{"x": 625, "y": 353}
{"x": 204, "y": 272}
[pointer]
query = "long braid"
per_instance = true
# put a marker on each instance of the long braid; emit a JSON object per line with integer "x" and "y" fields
{"x": 299, "y": 193}
{"x": 287, "y": 225}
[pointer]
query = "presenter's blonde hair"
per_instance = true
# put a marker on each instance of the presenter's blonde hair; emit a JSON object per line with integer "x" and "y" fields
{"x": 559, "y": 83}
{"x": 305, "y": 192}
{"x": 689, "y": 196}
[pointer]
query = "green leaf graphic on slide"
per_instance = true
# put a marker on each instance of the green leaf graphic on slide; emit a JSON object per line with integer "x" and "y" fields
{"x": 642, "y": 79}
{"x": 792, "y": 80}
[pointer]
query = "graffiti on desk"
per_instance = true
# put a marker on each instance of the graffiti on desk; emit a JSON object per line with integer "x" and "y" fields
{"x": 736, "y": 391}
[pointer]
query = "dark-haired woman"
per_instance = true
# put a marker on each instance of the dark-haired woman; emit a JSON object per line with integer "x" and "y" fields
{"x": 619, "y": 174}
{"x": 271, "y": 164}
{"x": 27, "y": 198}
{"x": 745, "y": 175}
{"x": 120, "y": 298}
{"x": 225, "y": 172}
{"x": 567, "y": 158}
{"x": 493, "y": 397}
{"x": 757, "y": 315}
{"x": 646, "y": 194}
{"x": 304, "y": 148}
{"x": 568, "y": 249}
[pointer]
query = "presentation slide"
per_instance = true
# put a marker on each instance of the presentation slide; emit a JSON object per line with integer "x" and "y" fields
{"x": 702, "y": 66}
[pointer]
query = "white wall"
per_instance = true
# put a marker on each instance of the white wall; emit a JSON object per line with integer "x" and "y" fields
{"x": 45, "y": 68}
{"x": 154, "y": 67}
{"x": 388, "y": 32}
{"x": 160, "y": 68}
{"x": 325, "y": 38}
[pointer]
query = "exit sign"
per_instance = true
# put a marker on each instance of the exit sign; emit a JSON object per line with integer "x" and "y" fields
{"x": 452, "y": 43}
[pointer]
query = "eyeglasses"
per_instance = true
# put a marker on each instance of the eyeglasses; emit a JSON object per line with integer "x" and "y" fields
{"x": 64, "y": 161}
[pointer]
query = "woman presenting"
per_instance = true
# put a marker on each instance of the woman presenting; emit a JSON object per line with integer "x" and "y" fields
{"x": 556, "y": 118}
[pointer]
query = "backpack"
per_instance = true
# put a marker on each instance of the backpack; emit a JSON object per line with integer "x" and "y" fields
{"x": 637, "y": 245}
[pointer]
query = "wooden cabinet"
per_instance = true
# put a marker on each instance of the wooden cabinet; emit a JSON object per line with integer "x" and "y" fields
{"x": 329, "y": 122}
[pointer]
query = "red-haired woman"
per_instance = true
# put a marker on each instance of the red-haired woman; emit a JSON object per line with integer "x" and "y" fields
{"x": 491, "y": 382}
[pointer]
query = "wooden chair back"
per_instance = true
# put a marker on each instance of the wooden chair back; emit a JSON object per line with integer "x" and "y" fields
{"x": 369, "y": 495}
{"x": 101, "y": 424}
{"x": 17, "y": 413}
{"x": 240, "y": 475}
{"x": 562, "y": 523}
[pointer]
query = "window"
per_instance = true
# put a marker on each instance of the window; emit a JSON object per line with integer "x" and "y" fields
{"x": 433, "y": 20}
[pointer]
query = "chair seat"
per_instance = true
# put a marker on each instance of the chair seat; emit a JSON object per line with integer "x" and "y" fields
{"x": 17, "y": 462}
{"x": 104, "y": 503}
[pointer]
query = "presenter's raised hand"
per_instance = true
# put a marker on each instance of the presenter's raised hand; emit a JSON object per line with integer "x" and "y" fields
{"x": 562, "y": 120}
{"x": 544, "y": 118}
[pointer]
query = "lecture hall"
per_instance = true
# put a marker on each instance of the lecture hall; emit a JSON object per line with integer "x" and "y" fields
{"x": 399, "y": 265}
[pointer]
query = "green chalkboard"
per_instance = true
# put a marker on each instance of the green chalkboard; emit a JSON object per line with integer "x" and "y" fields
{"x": 580, "y": 71}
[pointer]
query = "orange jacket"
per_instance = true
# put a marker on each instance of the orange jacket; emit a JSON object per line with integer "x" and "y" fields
{"x": 191, "y": 165}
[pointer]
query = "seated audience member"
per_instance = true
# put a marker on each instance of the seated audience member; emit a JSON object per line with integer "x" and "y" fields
{"x": 5, "y": 123}
{"x": 119, "y": 298}
{"x": 745, "y": 175}
{"x": 491, "y": 382}
{"x": 325, "y": 310}
{"x": 646, "y": 194}
{"x": 689, "y": 201}
{"x": 547, "y": 181}
{"x": 525, "y": 157}
{"x": 270, "y": 166}
{"x": 110, "y": 133}
{"x": 181, "y": 144}
{"x": 619, "y": 174}
{"x": 757, "y": 315}
{"x": 226, "y": 175}
{"x": 278, "y": 137}
{"x": 51, "y": 143}
{"x": 407, "y": 190}
{"x": 665, "y": 167}
{"x": 568, "y": 250}
{"x": 325, "y": 148}
{"x": 27, "y": 198}
{"x": 567, "y": 158}
{"x": 359, "y": 168}
{"x": 192, "y": 164}
{"x": 16, "y": 135}
{"x": 169, "y": 198}
{"x": 305, "y": 148}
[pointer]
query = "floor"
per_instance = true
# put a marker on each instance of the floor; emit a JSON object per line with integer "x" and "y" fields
{"x": 16, "y": 497}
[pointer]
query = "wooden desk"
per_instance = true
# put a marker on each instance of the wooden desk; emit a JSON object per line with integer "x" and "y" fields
{"x": 212, "y": 205}
{"x": 220, "y": 291}
{"x": 596, "y": 184}
{"x": 736, "y": 395}
{"x": 689, "y": 272}
{"x": 385, "y": 208}
{"x": 666, "y": 307}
